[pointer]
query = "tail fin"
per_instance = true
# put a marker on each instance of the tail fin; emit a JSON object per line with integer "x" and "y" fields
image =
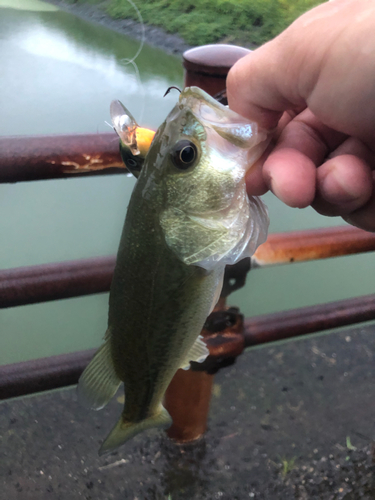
{"x": 123, "y": 431}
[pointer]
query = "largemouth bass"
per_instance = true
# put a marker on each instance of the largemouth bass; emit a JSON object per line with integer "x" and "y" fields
{"x": 188, "y": 217}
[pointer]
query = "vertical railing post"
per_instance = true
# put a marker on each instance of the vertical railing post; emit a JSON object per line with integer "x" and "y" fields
{"x": 207, "y": 66}
{"x": 188, "y": 396}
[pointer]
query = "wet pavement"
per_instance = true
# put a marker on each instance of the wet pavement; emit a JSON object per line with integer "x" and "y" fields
{"x": 289, "y": 421}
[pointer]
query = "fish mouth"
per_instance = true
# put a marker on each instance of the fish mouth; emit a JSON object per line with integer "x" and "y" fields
{"x": 238, "y": 132}
{"x": 235, "y": 128}
{"x": 234, "y": 136}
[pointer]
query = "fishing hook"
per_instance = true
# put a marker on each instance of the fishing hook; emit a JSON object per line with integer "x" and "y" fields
{"x": 170, "y": 88}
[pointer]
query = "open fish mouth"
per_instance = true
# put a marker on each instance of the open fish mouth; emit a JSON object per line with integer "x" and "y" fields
{"x": 234, "y": 128}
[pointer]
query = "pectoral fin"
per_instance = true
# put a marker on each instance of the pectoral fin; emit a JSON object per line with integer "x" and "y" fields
{"x": 198, "y": 353}
{"x": 99, "y": 382}
{"x": 192, "y": 240}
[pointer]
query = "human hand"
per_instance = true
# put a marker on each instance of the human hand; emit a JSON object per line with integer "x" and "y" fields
{"x": 315, "y": 83}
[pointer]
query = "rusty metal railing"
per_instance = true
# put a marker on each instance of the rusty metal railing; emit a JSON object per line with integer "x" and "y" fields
{"x": 58, "y": 156}
{"x": 28, "y": 377}
{"x": 30, "y": 285}
{"x": 225, "y": 332}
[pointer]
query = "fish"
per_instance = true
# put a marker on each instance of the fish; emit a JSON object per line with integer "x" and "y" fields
{"x": 188, "y": 217}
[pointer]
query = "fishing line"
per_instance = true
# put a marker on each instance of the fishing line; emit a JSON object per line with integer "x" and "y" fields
{"x": 143, "y": 35}
{"x": 132, "y": 60}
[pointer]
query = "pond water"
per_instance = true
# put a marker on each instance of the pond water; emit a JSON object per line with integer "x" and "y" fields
{"x": 58, "y": 75}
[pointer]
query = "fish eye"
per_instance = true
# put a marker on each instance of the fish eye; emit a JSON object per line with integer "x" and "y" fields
{"x": 131, "y": 163}
{"x": 184, "y": 154}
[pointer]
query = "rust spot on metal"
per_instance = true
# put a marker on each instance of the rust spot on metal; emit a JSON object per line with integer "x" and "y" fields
{"x": 88, "y": 163}
{"x": 188, "y": 396}
{"x": 58, "y": 156}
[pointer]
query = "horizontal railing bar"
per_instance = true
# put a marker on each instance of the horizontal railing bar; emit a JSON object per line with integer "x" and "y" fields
{"x": 44, "y": 374}
{"x": 322, "y": 243}
{"x": 30, "y": 285}
{"x": 302, "y": 321}
{"x": 29, "y": 158}
{"x": 28, "y": 377}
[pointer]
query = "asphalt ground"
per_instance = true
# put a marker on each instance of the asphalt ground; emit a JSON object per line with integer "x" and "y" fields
{"x": 287, "y": 421}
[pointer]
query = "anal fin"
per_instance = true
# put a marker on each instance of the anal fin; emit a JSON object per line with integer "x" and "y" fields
{"x": 99, "y": 382}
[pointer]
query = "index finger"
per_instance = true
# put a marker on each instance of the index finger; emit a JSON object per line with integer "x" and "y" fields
{"x": 253, "y": 87}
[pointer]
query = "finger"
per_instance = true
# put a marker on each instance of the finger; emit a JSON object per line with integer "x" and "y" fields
{"x": 290, "y": 170}
{"x": 291, "y": 176}
{"x": 255, "y": 183}
{"x": 307, "y": 134}
{"x": 356, "y": 147}
{"x": 252, "y": 87}
{"x": 304, "y": 133}
{"x": 344, "y": 184}
{"x": 364, "y": 217}
{"x": 286, "y": 118}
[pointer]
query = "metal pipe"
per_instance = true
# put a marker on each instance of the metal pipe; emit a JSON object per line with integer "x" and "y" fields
{"x": 207, "y": 66}
{"x": 298, "y": 246}
{"x": 28, "y": 377}
{"x": 305, "y": 320}
{"x": 30, "y": 285}
{"x": 187, "y": 400}
{"x": 29, "y": 158}
{"x": 58, "y": 371}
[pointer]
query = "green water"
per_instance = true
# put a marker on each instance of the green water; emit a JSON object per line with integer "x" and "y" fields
{"x": 58, "y": 75}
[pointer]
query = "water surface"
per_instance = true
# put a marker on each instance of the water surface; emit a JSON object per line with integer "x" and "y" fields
{"x": 58, "y": 75}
